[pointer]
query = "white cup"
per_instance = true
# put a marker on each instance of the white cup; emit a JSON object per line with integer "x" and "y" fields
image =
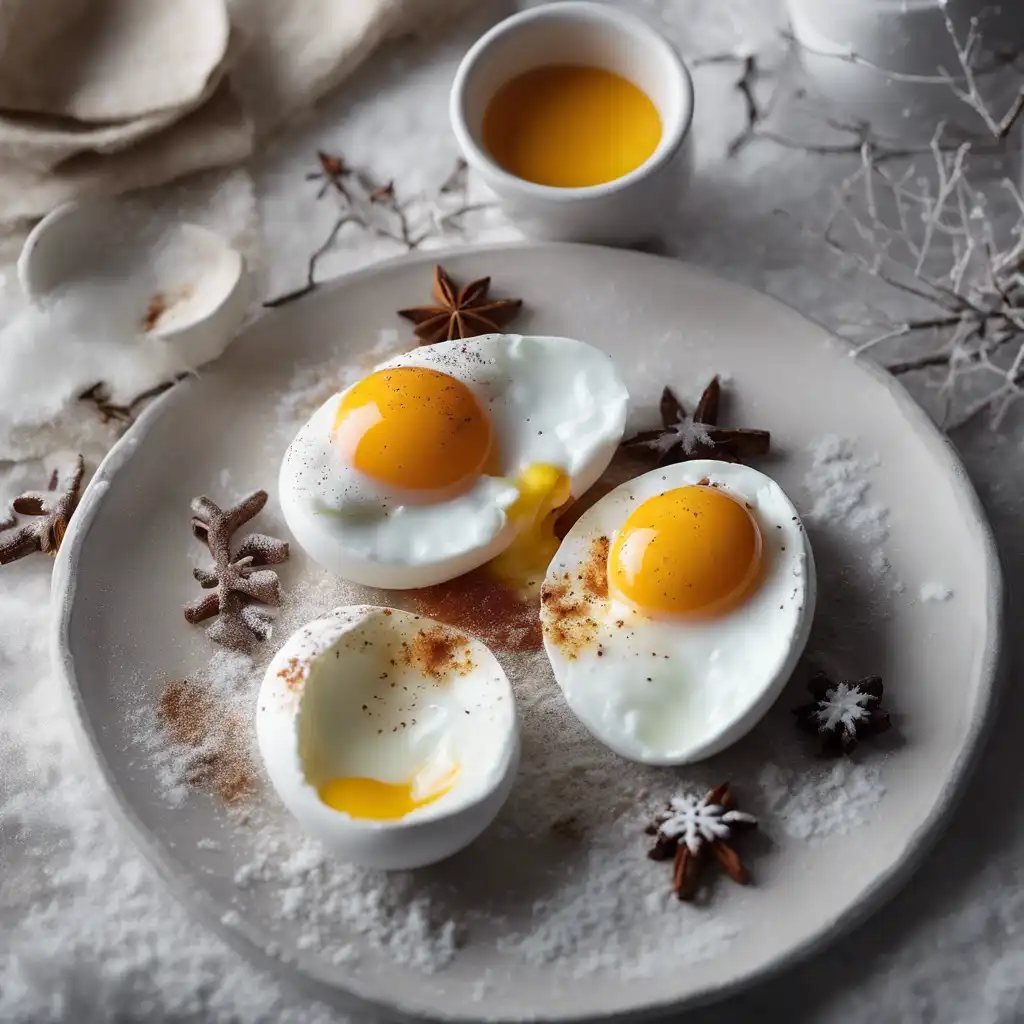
{"x": 629, "y": 209}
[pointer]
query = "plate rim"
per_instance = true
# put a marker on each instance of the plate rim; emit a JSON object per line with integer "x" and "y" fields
{"x": 241, "y": 938}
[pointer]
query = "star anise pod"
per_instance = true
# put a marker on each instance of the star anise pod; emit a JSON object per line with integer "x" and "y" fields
{"x": 235, "y": 578}
{"x": 682, "y": 437}
{"x": 691, "y": 828}
{"x": 464, "y": 312}
{"x": 840, "y": 713}
{"x": 52, "y": 510}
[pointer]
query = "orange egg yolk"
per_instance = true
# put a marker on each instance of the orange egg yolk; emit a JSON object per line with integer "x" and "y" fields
{"x": 415, "y": 429}
{"x": 383, "y": 801}
{"x": 693, "y": 552}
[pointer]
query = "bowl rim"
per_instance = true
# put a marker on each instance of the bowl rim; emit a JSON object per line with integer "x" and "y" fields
{"x": 672, "y": 137}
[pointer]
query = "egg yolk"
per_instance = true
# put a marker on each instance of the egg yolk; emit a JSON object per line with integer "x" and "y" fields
{"x": 415, "y": 429}
{"x": 383, "y": 801}
{"x": 543, "y": 490}
{"x": 692, "y": 552}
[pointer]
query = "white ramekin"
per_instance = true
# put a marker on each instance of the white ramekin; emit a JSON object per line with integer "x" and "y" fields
{"x": 632, "y": 208}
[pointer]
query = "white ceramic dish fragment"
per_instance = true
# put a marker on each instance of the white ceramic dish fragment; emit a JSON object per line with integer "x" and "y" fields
{"x": 181, "y": 283}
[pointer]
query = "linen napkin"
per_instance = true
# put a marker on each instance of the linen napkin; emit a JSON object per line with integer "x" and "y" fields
{"x": 98, "y": 97}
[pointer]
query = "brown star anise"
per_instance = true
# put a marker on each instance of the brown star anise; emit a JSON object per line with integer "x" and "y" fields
{"x": 235, "y": 578}
{"x": 464, "y": 312}
{"x": 841, "y": 712}
{"x": 53, "y": 509}
{"x": 682, "y": 438}
{"x": 691, "y": 828}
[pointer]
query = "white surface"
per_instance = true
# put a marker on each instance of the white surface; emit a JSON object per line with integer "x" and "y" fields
{"x": 88, "y": 933}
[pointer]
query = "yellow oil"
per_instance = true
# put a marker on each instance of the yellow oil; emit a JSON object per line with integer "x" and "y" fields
{"x": 570, "y": 126}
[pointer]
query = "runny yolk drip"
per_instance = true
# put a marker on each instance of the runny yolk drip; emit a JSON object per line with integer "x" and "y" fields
{"x": 570, "y": 126}
{"x": 543, "y": 490}
{"x": 383, "y": 801}
{"x": 415, "y": 429}
{"x": 692, "y": 552}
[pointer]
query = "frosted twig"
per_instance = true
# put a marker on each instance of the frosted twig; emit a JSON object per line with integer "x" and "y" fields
{"x": 377, "y": 209}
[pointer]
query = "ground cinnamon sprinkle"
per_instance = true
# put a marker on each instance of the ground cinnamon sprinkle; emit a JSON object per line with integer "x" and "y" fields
{"x": 438, "y": 652}
{"x": 156, "y": 309}
{"x": 594, "y": 574}
{"x": 223, "y": 762}
{"x": 293, "y": 674}
{"x": 571, "y": 606}
{"x": 484, "y": 607}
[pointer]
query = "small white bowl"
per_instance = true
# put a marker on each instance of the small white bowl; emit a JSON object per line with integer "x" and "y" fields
{"x": 629, "y": 209}
{"x": 181, "y": 283}
{"x": 369, "y": 692}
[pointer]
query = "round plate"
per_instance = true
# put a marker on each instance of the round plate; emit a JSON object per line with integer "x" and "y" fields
{"x": 123, "y": 576}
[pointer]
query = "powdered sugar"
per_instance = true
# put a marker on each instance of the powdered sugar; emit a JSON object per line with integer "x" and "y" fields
{"x": 322, "y": 896}
{"x": 821, "y": 800}
{"x": 840, "y": 483}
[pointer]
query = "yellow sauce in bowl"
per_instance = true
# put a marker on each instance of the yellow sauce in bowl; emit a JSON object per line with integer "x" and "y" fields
{"x": 570, "y": 126}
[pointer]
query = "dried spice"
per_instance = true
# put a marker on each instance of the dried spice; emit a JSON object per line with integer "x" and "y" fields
{"x": 572, "y": 603}
{"x": 235, "y": 578}
{"x": 692, "y": 828}
{"x": 220, "y": 760}
{"x": 52, "y": 510}
{"x": 840, "y": 713}
{"x": 683, "y": 437}
{"x": 438, "y": 652}
{"x": 464, "y": 312}
{"x": 483, "y": 606}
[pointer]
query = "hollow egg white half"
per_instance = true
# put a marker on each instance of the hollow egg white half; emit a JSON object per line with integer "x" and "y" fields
{"x": 676, "y": 609}
{"x": 391, "y": 738}
{"x": 432, "y": 464}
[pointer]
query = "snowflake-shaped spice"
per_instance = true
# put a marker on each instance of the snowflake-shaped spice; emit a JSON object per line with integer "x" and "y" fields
{"x": 236, "y": 578}
{"x": 691, "y": 828}
{"x": 842, "y": 712}
{"x": 682, "y": 436}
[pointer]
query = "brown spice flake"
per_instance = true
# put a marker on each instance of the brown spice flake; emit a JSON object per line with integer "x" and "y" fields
{"x": 571, "y": 607}
{"x": 293, "y": 674}
{"x": 438, "y": 652}
{"x": 223, "y": 763}
{"x": 156, "y": 309}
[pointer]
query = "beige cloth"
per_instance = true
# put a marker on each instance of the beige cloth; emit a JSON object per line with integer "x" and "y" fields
{"x": 98, "y": 97}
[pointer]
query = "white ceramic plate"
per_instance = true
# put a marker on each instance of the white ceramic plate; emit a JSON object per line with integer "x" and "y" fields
{"x": 123, "y": 575}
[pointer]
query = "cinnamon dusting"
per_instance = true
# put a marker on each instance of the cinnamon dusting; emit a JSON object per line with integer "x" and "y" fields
{"x": 156, "y": 309}
{"x": 485, "y": 608}
{"x": 223, "y": 762}
{"x": 571, "y": 606}
{"x": 293, "y": 674}
{"x": 438, "y": 652}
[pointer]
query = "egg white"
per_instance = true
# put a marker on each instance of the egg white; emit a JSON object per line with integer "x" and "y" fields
{"x": 551, "y": 401}
{"x": 339, "y": 700}
{"x": 669, "y": 691}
